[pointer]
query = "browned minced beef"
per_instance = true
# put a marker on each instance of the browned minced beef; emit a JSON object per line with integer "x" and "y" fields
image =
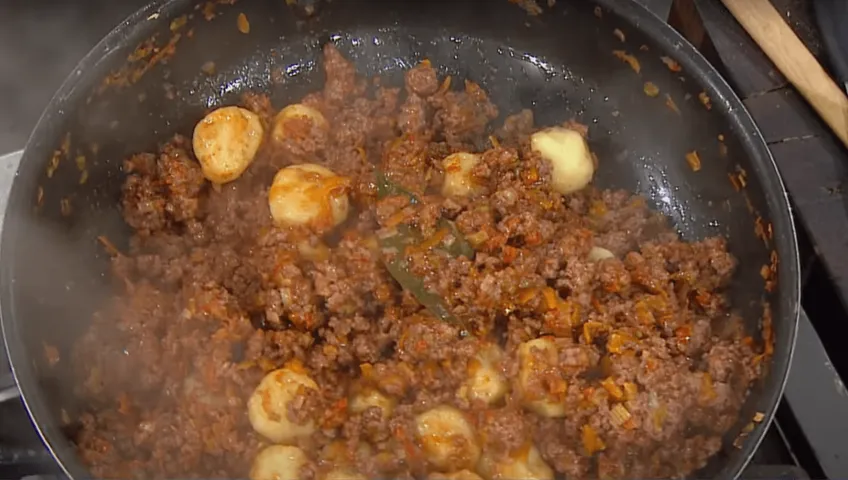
{"x": 214, "y": 295}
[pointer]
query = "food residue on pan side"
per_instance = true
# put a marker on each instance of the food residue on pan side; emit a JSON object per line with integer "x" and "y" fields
{"x": 705, "y": 100}
{"x": 671, "y": 64}
{"x": 619, "y": 34}
{"x": 669, "y": 102}
{"x": 651, "y": 89}
{"x": 694, "y": 160}
{"x": 628, "y": 59}
{"x": 242, "y": 23}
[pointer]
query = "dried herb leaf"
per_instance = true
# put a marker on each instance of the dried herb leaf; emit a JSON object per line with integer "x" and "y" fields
{"x": 406, "y": 236}
{"x": 460, "y": 246}
{"x": 387, "y": 188}
{"x": 398, "y": 267}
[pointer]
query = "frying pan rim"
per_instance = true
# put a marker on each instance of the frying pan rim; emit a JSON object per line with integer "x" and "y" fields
{"x": 774, "y": 190}
{"x": 31, "y": 395}
{"x": 636, "y": 14}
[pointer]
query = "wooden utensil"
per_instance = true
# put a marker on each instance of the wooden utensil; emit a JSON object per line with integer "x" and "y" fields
{"x": 766, "y": 26}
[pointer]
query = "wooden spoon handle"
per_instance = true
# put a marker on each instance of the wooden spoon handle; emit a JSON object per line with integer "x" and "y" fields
{"x": 766, "y": 26}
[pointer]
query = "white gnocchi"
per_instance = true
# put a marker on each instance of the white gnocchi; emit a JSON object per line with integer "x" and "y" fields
{"x": 596, "y": 254}
{"x": 339, "y": 461}
{"x": 368, "y": 398}
{"x": 343, "y": 474}
{"x": 225, "y": 143}
{"x": 458, "y": 181}
{"x": 278, "y": 462}
{"x": 526, "y": 464}
{"x": 537, "y": 365}
{"x": 486, "y": 382}
{"x": 280, "y": 131}
{"x": 267, "y": 407}
{"x": 572, "y": 164}
{"x": 460, "y": 475}
{"x": 447, "y": 438}
{"x": 309, "y": 195}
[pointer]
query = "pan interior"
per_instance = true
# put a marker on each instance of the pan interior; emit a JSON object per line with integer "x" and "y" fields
{"x": 560, "y": 64}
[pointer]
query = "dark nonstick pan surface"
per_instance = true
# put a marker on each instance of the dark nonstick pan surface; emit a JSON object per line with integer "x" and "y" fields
{"x": 559, "y": 63}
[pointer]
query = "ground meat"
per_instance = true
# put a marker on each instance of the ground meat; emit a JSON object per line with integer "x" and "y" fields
{"x": 413, "y": 114}
{"x": 421, "y": 80}
{"x": 504, "y": 430}
{"x": 517, "y": 128}
{"x": 215, "y": 296}
{"x": 463, "y": 116}
{"x": 342, "y": 82}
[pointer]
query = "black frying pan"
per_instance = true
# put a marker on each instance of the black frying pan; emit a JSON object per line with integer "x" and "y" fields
{"x": 559, "y": 63}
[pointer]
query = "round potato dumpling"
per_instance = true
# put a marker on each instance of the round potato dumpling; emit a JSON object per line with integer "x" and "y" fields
{"x": 458, "y": 181}
{"x": 526, "y": 464}
{"x": 542, "y": 390}
{"x": 343, "y": 474}
{"x": 309, "y": 195}
{"x": 225, "y": 143}
{"x": 267, "y": 407}
{"x": 278, "y": 462}
{"x": 340, "y": 461}
{"x": 597, "y": 254}
{"x": 283, "y": 122}
{"x": 447, "y": 439}
{"x": 369, "y": 397}
{"x": 486, "y": 382}
{"x": 460, "y": 475}
{"x": 572, "y": 165}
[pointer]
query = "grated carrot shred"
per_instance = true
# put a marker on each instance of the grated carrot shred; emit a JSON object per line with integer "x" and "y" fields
{"x": 592, "y": 443}
{"x": 612, "y": 388}
{"x": 429, "y": 243}
{"x": 550, "y": 297}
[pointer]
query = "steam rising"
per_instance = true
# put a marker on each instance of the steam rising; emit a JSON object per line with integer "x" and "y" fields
{"x": 40, "y": 44}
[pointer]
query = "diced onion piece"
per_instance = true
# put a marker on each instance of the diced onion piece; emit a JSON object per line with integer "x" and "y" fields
{"x": 447, "y": 438}
{"x": 309, "y": 194}
{"x": 295, "y": 111}
{"x": 460, "y": 475}
{"x": 538, "y": 360}
{"x": 571, "y": 161}
{"x": 268, "y": 407}
{"x": 618, "y": 414}
{"x": 591, "y": 329}
{"x": 597, "y": 254}
{"x": 458, "y": 181}
{"x": 526, "y": 464}
{"x": 486, "y": 382}
{"x": 617, "y": 341}
{"x": 315, "y": 252}
{"x": 278, "y": 462}
{"x": 225, "y": 143}
{"x": 631, "y": 390}
{"x": 658, "y": 415}
{"x": 368, "y": 398}
{"x": 477, "y": 238}
{"x": 708, "y": 392}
